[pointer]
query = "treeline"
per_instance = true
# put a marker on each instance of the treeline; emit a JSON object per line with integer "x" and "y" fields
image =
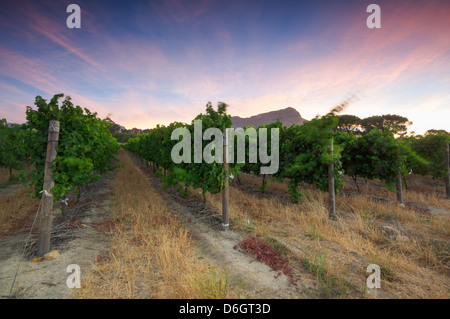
{"x": 85, "y": 148}
{"x": 371, "y": 149}
{"x": 385, "y": 123}
{"x": 120, "y": 133}
{"x": 123, "y": 137}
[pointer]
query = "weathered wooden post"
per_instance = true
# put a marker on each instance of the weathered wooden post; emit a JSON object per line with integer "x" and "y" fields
{"x": 332, "y": 202}
{"x": 226, "y": 190}
{"x": 45, "y": 226}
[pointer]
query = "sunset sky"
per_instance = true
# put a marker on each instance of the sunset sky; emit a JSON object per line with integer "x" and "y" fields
{"x": 150, "y": 62}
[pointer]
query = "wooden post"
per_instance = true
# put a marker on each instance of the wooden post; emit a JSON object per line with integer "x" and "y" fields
{"x": 354, "y": 180}
{"x": 332, "y": 202}
{"x": 447, "y": 163}
{"x": 46, "y": 213}
{"x": 226, "y": 190}
{"x": 398, "y": 186}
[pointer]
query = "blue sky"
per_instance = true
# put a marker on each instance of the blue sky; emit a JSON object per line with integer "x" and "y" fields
{"x": 150, "y": 62}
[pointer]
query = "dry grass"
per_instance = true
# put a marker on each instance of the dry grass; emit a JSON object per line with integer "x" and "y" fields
{"x": 152, "y": 255}
{"x": 416, "y": 268}
{"x": 421, "y": 190}
{"x": 15, "y": 209}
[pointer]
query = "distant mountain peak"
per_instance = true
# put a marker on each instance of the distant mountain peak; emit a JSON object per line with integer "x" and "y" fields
{"x": 287, "y": 116}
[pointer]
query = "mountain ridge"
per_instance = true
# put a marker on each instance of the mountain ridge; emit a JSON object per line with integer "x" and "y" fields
{"x": 287, "y": 116}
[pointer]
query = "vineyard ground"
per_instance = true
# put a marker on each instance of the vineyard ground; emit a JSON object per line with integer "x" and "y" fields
{"x": 87, "y": 244}
{"x": 408, "y": 242}
{"x": 176, "y": 272}
{"x": 328, "y": 259}
{"x": 80, "y": 242}
{"x": 218, "y": 247}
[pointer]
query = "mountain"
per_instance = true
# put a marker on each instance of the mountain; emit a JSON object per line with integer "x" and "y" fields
{"x": 287, "y": 116}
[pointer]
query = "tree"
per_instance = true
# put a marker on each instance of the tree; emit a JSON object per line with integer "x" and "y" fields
{"x": 113, "y": 127}
{"x": 394, "y": 123}
{"x": 374, "y": 155}
{"x": 433, "y": 148}
{"x": 436, "y": 132}
{"x": 349, "y": 124}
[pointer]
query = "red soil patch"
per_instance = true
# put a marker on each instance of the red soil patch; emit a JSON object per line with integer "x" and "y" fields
{"x": 265, "y": 253}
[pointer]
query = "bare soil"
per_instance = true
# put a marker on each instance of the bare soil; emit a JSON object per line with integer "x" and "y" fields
{"x": 86, "y": 237}
{"x": 258, "y": 280}
{"x": 80, "y": 244}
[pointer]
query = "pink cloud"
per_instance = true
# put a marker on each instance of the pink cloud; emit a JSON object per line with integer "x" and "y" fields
{"x": 368, "y": 63}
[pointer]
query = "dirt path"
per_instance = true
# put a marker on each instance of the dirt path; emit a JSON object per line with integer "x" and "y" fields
{"x": 218, "y": 247}
{"x": 87, "y": 240}
{"x": 46, "y": 279}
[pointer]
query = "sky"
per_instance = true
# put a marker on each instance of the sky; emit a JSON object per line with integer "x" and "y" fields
{"x": 145, "y": 63}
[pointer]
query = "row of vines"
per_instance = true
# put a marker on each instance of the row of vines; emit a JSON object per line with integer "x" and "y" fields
{"x": 304, "y": 154}
{"x": 85, "y": 148}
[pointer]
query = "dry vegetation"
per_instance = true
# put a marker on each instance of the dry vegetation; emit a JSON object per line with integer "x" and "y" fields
{"x": 152, "y": 254}
{"x": 414, "y": 261}
{"x": 16, "y": 206}
{"x": 15, "y": 209}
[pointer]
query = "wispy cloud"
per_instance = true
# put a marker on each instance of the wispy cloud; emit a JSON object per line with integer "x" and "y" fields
{"x": 173, "y": 57}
